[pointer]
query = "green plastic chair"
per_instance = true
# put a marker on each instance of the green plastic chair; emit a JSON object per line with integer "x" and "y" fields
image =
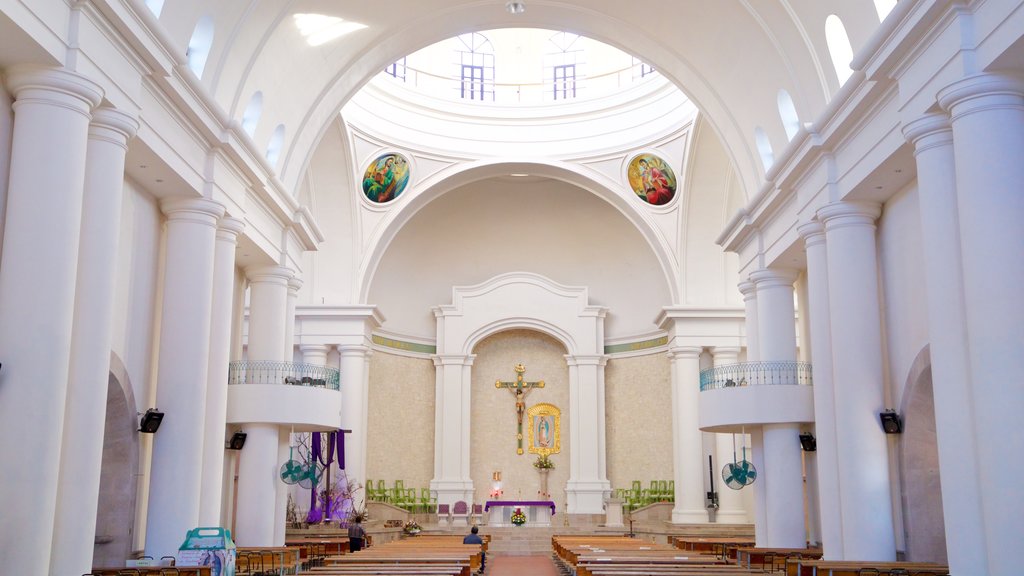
{"x": 663, "y": 490}
{"x": 427, "y": 502}
{"x": 382, "y": 491}
{"x": 411, "y": 504}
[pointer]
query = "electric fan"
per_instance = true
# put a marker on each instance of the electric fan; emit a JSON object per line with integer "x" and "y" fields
{"x": 739, "y": 473}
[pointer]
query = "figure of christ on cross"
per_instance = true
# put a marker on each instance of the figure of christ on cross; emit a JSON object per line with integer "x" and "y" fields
{"x": 520, "y": 388}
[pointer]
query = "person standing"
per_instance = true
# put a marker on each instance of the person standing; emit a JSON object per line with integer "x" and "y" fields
{"x": 356, "y": 535}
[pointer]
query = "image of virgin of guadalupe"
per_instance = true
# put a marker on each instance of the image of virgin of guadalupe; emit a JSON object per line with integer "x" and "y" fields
{"x": 652, "y": 179}
{"x": 544, "y": 432}
{"x": 385, "y": 178}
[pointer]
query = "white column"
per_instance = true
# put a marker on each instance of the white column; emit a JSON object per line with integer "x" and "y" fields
{"x": 354, "y": 382}
{"x": 294, "y": 284}
{"x": 587, "y": 485}
{"x": 750, "y": 319}
{"x": 258, "y": 480}
{"x": 37, "y": 300}
{"x": 687, "y": 446}
{"x": 730, "y": 502}
{"x": 951, "y": 379}
{"x": 190, "y": 237}
{"x": 987, "y": 117}
{"x": 217, "y": 384}
{"x": 84, "y": 416}
{"x": 826, "y": 456}
{"x": 862, "y": 449}
{"x": 452, "y": 440}
{"x": 782, "y": 474}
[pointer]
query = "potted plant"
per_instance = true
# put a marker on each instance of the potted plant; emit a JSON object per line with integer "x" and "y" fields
{"x": 543, "y": 462}
{"x": 411, "y": 528}
{"x": 518, "y": 518}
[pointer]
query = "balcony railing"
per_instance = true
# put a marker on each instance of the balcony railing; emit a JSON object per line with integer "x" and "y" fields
{"x": 756, "y": 374}
{"x": 287, "y": 373}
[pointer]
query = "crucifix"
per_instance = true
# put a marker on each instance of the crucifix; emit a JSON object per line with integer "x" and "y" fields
{"x": 520, "y": 388}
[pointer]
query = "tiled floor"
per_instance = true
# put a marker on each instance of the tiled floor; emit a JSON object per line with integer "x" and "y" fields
{"x": 521, "y": 566}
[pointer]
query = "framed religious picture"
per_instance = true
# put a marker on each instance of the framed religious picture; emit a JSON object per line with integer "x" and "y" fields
{"x": 545, "y": 429}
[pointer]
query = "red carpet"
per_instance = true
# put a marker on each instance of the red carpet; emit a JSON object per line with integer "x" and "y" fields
{"x": 521, "y": 566}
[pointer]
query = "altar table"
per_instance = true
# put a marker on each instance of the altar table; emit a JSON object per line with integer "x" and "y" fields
{"x": 538, "y": 512}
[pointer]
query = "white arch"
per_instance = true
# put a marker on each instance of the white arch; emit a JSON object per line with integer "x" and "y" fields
{"x": 787, "y": 112}
{"x": 764, "y": 148}
{"x": 839, "y": 47}
{"x": 883, "y": 7}
{"x": 251, "y": 116}
{"x": 199, "y": 45}
{"x": 274, "y": 145}
{"x": 455, "y": 176}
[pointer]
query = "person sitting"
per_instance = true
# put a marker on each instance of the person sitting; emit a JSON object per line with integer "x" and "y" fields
{"x": 356, "y": 535}
{"x": 474, "y": 538}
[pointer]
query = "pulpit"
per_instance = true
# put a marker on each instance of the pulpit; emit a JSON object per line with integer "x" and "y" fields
{"x": 538, "y": 512}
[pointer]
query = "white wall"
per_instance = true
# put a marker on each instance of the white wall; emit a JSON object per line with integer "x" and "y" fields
{"x": 904, "y": 314}
{"x": 532, "y": 225}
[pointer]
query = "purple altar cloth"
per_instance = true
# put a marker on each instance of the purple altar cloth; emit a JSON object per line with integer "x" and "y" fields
{"x": 490, "y": 503}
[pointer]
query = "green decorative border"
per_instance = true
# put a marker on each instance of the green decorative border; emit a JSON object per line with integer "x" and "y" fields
{"x": 635, "y": 346}
{"x": 406, "y": 346}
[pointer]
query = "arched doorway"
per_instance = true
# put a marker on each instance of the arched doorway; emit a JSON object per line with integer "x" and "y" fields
{"x": 923, "y": 520}
{"x": 115, "y": 516}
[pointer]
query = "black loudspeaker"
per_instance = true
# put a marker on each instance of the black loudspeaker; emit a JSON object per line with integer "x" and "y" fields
{"x": 237, "y": 441}
{"x": 891, "y": 422}
{"x": 808, "y": 442}
{"x": 151, "y": 421}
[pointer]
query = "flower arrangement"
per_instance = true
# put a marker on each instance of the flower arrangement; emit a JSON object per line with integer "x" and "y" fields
{"x": 411, "y": 528}
{"x": 497, "y": 493}
{"x": 543, "y": 462}
{"x": 518, "y": 518}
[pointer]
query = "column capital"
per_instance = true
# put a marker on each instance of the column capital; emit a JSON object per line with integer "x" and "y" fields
{"x": 748, "y": 290}
{"x": 270, "y": 274}
{"x": 813, "y": 233}
{"x": 353, "y": 349}
{"x": 314, "y": 348}
{"x": 294, "y": 284}
{"x": 197, "y": 210}
{"x": 684, "y": 352}
{"x": 453, "y": 359}
{"x": 726, "y": 350}
{"x": 849, "y": 214}
{"x": 929, "y": 131}
{"x": 229, "y": 228}
{"x": 55, "y": 87}
{"x": 114, "y": 126}
{"x": 586, "y": 360}
{"x": 981, "y": 92}
{"x": 771, "y": 277}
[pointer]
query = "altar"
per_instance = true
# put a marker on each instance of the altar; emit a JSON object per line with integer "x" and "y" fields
{"x": 538, "y": 512}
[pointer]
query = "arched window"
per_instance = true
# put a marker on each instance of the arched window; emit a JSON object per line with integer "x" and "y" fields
{"x": 199, "y": 46}
{"x": 764, "y": 147}
{"x": 251, "y": 116}
{"x": 275, "y": 144}
{"x": 883, "y": 7}
{"x": 476, "y": 60}
{"x": 155, "y": 6}
{"x": 787, "y": 111}
{"x": 839, "y": 47}
{"x": 562, "y": 62}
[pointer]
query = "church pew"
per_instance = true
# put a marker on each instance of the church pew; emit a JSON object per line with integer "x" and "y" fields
{"x": 152, "y": 570}
{"x": 272, "y": 559}
{"x": 399, "y": 570}
{"x": 774, "y": 558}
{"x": 649, "y": 570}
{"x": 723, "y": 546}
{"x": 808, "y": 567}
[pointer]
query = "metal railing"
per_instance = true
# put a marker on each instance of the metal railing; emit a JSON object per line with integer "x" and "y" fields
{"x": 756, "y": 374}
{"x": 287, "y": 373}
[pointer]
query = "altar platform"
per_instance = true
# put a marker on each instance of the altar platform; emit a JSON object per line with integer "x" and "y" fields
{"x": 538, "y": 512}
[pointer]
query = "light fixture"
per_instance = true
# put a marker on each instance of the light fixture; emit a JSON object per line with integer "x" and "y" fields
{"x": 151, "y": 421}
{"x": 808, "y": 442}
{"x": 237, "y": 441}
{"x": 891, "y": 422}
{"x": 515, "y": 7}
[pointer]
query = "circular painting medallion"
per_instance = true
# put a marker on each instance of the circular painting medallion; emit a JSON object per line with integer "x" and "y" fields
{"x": 385, "y": 178}
{"x": 652, "y": 179}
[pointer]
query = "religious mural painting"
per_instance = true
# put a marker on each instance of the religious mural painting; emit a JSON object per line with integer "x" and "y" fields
{"x": 652, "y": 179}
{"x": 386, "y": 177}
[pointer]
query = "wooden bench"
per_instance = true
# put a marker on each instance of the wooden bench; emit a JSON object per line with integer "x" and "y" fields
{"x": 151, "y": 570}
{"x": 771, "y": 559}
{"x": 278, "y": 560}
{"x": 806, "y": 567}
{"x": 723, "y": 546}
